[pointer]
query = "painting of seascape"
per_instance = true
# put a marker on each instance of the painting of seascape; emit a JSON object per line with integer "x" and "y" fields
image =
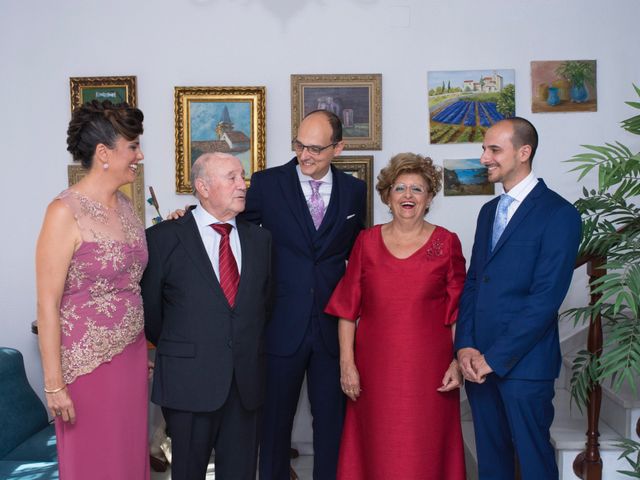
{"x": 466, "y": 177}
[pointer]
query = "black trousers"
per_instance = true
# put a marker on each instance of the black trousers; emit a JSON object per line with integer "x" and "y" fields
{"x": 232, "y": 431}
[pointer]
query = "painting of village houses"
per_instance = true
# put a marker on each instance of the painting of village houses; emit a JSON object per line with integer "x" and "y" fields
{"x": 466, "y": 177}
{"x": 464, "y": 104}
{"x": 221, "y": 127}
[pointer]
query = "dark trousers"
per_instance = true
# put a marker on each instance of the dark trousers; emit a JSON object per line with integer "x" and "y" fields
{"x": 284, "y": 381}
{"x": 231, "y": 431}
{"x": 513, "y": 417}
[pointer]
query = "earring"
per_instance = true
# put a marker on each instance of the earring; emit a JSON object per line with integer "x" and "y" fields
{"x": 105, "y": 166}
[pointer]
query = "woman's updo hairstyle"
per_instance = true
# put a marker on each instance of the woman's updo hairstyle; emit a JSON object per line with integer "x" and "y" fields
{"x": 101, "y": 122}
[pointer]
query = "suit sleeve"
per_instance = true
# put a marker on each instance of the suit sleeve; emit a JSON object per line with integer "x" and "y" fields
{"x": 455, "y": 280}
{"x": 551, "y": 279}
{"x": 151, "y": 284}
{"x": 253, "y": 204}
{"x": 467, "y": 304}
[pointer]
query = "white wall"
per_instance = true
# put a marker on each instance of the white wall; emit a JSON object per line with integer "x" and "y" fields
{"x": 261, "y": 42}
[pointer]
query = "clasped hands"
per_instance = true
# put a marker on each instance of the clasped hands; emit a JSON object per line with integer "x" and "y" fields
{"x": 473, "y": 365}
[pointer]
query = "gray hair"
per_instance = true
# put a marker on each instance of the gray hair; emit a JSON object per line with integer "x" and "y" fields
{"x": 199, "y": 167}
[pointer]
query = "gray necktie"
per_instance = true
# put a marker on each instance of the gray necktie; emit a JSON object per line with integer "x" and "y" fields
{"x": 501, "y": 219}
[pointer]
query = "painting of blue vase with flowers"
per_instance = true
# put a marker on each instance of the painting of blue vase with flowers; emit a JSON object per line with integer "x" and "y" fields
{"x": 564, "y": 86}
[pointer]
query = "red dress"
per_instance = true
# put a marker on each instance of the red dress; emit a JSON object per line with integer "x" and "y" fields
{"x": 401, "y": 426}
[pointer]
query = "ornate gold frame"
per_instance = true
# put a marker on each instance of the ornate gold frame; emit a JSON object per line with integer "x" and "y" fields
{"x": 360, "y": 166}
{"x": 78, "y": 84}
{"x": 373, "y": 82}
{"x": 184, "y": 96}
{"x": 135, "y": 190}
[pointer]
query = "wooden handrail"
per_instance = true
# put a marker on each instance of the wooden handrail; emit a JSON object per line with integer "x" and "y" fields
{"x": 588, "y": 464}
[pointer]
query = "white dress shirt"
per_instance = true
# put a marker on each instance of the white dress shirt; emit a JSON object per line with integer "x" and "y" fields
{"x": 324, "y": 190}
{"x": 520, "y": 192}
{"x": 211, "y": 238}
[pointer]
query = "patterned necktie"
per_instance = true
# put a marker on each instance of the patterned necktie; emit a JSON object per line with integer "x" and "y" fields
{"x": 316, "y": 204}
{"x": 501, "y": 219}
{"x": 229, "y": 277}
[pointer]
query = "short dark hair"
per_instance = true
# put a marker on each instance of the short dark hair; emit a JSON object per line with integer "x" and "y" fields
{"x": 101, "y": 122}
{"x": 524, "y": 133}
{"x": 334, "y": 121}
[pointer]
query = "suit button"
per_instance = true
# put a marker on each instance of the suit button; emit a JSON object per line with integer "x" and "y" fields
{"x": 485, "y": 279}
{"x": 311, "y": 291}
{"x": 230, "y": 343}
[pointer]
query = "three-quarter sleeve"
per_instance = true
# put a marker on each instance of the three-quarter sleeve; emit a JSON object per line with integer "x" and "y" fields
{"x": 455, "y": 279}
{"x": 347, "y": 296}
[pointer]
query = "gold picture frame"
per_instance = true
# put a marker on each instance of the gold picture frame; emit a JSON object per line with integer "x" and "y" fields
{"x": 116, "y": 89}
{"x": 355, "y": 98}
{"x": 134, "y": 190}
{"x": 219, "y": 119}
{"x": 360, "y": 166}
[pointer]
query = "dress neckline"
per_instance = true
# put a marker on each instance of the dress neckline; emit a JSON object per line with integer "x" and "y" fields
{"x": 97, "y": 202}
{"x": 422, "y": 247}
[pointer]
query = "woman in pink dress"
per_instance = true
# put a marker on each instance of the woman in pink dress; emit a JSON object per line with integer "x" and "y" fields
{"x": 403, "y": 282}
{"x": 89, "y": 260}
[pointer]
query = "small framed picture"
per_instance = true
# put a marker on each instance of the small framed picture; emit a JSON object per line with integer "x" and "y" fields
{"x": 115, "y": 89}
{"x": 355, "y": 99}
{"x": 360, "y": 166}
{"x": 135, "y": 190}
{"x": 219, "y": 119}
{"x": 466, "y": 176}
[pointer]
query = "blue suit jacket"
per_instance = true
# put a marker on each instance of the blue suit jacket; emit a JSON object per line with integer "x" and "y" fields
{"x": 509, "y": 305}
{"x": 307, "y": 264}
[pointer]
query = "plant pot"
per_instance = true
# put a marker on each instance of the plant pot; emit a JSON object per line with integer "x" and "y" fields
{"x": 579, "y": 93}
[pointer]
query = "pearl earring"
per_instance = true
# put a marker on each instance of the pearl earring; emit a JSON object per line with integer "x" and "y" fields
{"x": 105, "y": 166}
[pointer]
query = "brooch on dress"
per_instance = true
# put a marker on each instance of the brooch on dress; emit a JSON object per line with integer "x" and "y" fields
{"x": 435, "y": 248}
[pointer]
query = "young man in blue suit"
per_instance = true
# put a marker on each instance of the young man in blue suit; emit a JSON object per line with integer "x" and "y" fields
{"x": 314, "y": 213}
{"x": 507, "y": 344}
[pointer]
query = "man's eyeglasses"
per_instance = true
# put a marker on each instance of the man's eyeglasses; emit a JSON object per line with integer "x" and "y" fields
{"x": 415, "y": 189}
{"x": 312, "y": 149}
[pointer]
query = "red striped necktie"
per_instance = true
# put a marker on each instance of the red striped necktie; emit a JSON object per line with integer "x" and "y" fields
{"x": 229, "y": 276}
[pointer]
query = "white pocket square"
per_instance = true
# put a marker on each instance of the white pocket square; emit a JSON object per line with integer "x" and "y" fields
{"x": 351, "y": 216}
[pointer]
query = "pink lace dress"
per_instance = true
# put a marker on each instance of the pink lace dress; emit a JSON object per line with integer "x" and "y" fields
{"x": 104, "y": 354}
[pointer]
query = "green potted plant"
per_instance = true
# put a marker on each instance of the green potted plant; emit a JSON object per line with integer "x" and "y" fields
{"x": 611, "y": 230}
{"x": 577, "y": 73}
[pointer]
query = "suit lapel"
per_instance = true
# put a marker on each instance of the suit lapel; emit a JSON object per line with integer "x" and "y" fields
{"x": 521, "y": 213}
{"x": 192, "y": 242}
{"x": 246, "y": 274}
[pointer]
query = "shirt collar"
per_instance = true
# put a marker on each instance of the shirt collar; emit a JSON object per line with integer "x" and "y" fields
{"x": 522, "y": 189}
{"x": 203, "y": 218}
{"x": 327, "y": 179}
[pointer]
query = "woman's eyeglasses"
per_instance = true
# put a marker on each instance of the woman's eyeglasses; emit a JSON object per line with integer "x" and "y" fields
{"x": 402, "y": 188}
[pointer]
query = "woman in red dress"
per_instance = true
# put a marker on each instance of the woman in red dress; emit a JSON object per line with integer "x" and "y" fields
{"x": 403, "y": 282}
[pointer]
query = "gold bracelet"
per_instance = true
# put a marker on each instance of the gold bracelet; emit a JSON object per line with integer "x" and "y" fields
{"x": 55, "y": 390}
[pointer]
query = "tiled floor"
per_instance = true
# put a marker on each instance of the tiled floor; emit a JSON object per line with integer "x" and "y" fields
{"x": 303, "y": 466}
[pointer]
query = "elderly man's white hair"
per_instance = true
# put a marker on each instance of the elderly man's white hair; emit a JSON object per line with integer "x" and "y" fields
{"x": 199, "y": 167}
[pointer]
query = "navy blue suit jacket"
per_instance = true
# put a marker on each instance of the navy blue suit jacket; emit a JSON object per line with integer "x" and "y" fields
{"x": 509, "y": 305}
{"x": 307, "y": 264}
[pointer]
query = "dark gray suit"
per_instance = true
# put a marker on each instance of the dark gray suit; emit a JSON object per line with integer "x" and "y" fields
{"x": 210, "y": 359}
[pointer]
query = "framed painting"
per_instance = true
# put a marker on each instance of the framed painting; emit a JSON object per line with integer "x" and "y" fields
{"x": 355, "y": 99}
{"x": 115, "y": 89}
{"x": 564, "y": 86}
{"x": 466, "y": 176}
{"x": 219, "y": 119}
{"x": 360, "y": 166}
{"x": 135, "y": 190}
{"x": 463, "y": 104}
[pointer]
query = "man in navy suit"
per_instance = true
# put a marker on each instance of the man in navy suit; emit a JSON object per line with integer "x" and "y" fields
{"x": 206, "y": 292}
{"x": 507, "y": 344}
{"x": 314, "y": 213}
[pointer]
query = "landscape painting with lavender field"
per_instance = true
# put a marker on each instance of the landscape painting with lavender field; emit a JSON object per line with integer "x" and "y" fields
{"x": 464, "y": 104}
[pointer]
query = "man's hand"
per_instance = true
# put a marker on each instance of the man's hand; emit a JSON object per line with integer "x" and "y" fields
{"x": 481, "y": 367}
{"x": 176, "y": 214}
{"x": 466, "y": 358}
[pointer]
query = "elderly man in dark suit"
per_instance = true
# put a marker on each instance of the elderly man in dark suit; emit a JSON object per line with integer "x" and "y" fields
{"x": 206, "y": 293}
{"x": 523, "y": 255}
{"x": 314, "y": 212}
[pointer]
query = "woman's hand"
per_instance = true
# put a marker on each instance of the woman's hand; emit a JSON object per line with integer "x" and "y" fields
{"x": 150, "y": 366}
{"x": 60, "y": 405}
{"x": 350, "y": 380}
{"x": 176, "y": 214}
{"x": 452, "y": 378}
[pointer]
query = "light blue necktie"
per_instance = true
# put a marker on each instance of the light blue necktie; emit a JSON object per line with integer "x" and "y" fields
{"x": 501, "y": 220}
